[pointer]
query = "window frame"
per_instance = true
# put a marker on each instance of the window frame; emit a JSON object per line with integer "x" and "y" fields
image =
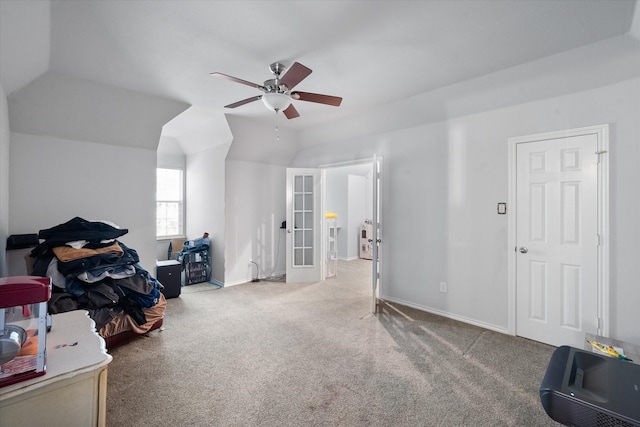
{"x": 181, "y": 205}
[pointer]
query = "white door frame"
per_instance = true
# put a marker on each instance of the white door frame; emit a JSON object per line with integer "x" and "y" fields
{"x": 376, "y": 177}
{"x": 378, "y": 197}
{"x": 602, "y": 132}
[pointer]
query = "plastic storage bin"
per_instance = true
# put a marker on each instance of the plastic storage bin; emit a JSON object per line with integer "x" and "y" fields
{"x": 23, "y": 327}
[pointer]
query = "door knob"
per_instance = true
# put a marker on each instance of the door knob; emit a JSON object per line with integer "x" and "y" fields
{"x": 523, "y": 250}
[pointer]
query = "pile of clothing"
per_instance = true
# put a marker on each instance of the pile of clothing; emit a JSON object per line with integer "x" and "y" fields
{"x": 91, "y": 269}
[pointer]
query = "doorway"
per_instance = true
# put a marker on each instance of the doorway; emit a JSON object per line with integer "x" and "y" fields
{"x": 558, "y": 232}
{"x": 307, "y": 246}
{"x": 351, "y": 193}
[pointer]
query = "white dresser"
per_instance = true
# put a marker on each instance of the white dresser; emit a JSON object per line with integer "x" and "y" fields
{"x": 73, "y": 391}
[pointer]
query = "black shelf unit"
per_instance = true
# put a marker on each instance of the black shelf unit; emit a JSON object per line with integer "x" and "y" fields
{"x": 196, "y": 264}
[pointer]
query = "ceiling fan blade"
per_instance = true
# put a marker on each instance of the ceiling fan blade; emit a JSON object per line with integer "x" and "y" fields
{"x": 294, "y": 75}
{"x": 316, "y": 97}
{"x": 237, "y": 80}
{"x": 290, "y": 112}
{"x": 244, "y": 101}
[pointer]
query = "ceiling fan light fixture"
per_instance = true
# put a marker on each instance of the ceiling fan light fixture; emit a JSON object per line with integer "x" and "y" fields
{"x": 276, "y": 101}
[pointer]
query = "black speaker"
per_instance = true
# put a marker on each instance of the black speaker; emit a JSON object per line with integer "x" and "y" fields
{"x": 585, "y": 389}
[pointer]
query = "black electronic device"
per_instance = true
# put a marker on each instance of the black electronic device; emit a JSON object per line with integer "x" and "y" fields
{"x": 585, "y": 389}
{"x": 22, "y": 241}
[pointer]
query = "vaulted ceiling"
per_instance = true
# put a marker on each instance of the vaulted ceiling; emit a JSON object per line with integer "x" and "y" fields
{"x": 370, "y": 53}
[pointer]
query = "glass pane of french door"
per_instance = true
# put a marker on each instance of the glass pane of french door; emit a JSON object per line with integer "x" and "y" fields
{"x": 303, "y": 214}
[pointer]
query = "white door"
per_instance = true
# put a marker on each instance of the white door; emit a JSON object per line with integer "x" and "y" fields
{"x": 376, "y": 240}
{"x": 557, "y": 239}
{"x": 303, "y": 226}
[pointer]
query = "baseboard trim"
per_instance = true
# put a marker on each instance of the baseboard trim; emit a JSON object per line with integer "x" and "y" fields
{"x": 237, "y": 282}
{"x": 243, "y": 281}
{"x": 453, "y": 316}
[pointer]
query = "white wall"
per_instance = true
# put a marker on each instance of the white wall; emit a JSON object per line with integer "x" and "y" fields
{"x": 442, "y": 182}
{"x": 172, "y": 161}
{"x": 80, "y": 148}
{"x": 256, "y": 142}
{"x": 5, "y": 135}
{"x": 357, "y": 186}
{"x": 205, "y": 198}
{"x": 82, "y": 110}
{"x": 255, "y": 180}
{"x": 53, "y": 180}
{"x": 594, "y": 65}
{"x": 255, "y": 209}
{"x": 25, "y": 49}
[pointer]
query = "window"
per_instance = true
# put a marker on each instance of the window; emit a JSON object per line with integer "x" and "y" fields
{"x": 169, "y": 202}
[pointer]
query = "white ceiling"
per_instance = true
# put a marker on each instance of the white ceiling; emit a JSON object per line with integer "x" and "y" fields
{"x": 369, "y": 52}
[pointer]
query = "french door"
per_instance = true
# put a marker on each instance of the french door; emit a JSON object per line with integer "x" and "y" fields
{"x": 303, "y": 246}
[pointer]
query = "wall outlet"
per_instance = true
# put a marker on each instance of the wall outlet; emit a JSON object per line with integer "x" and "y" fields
{"x": 443, "y": 287}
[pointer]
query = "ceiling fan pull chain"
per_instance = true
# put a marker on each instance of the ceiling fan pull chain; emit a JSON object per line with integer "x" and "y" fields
{"x": 277, "y": 133}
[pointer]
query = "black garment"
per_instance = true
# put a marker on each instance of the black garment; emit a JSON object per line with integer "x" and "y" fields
{"x": 138, "y": 282}
{"x": 102, "y": 316}
{"x": 136, "y": 314}
{"x": 81, "y": 229}
{"x": 61, "y": 302}
{"x": 41, "y": 262}
{"x": 98, "y": 295}
{"x": 131, "y": 307}
{"x": 73, "y": 230}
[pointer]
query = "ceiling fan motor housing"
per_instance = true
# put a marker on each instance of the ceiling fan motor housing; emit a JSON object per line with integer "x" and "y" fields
{"x": 274, "y": 86}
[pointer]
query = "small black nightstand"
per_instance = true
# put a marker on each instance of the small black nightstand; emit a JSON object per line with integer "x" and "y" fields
{"x": 168, "y": 273}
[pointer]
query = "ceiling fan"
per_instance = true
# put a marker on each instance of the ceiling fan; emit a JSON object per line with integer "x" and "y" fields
{"x": 278, "y": 94}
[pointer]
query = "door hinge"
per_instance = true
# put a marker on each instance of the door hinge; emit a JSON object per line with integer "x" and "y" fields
{"x": 598, "y": 240}
{"x": 598, "y": 153}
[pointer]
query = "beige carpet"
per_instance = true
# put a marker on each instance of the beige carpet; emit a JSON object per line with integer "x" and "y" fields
{"x": 277, "y": 354}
